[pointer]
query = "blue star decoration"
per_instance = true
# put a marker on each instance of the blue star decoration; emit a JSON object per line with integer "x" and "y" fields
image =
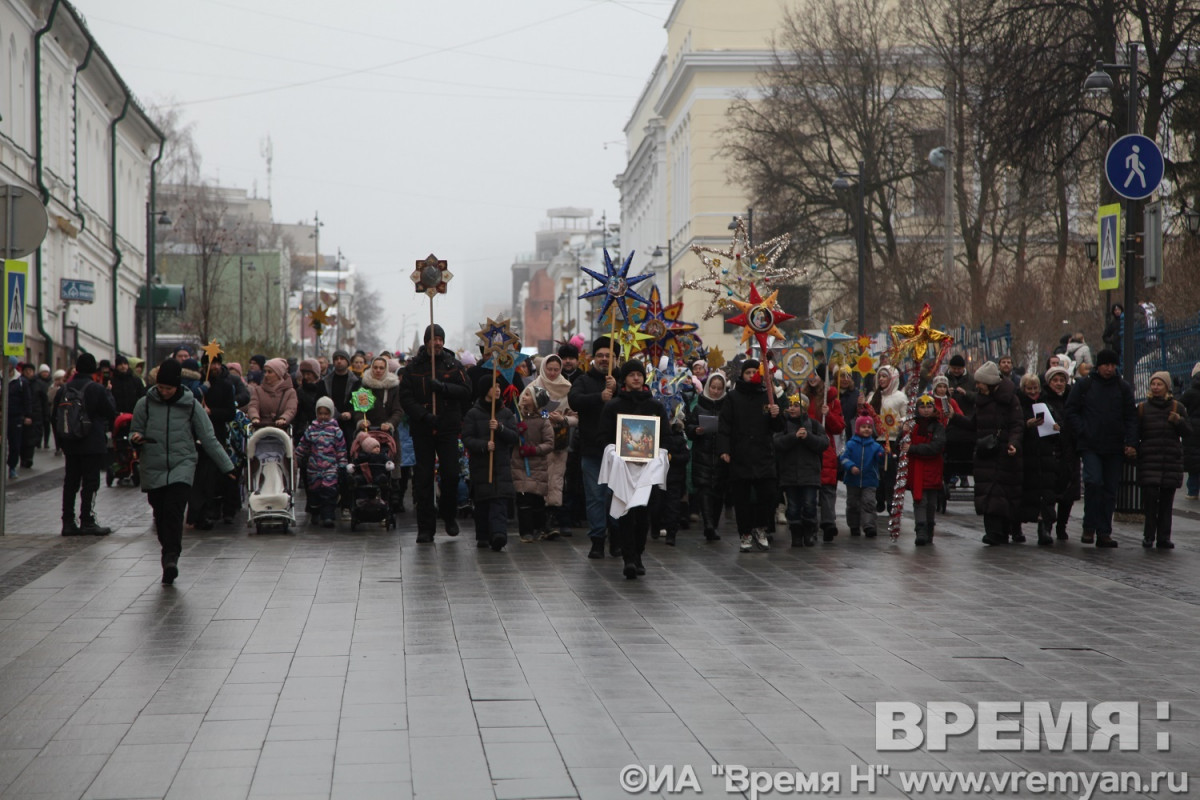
{"x": 497, "y": 335}
{"x": 662, "y": 323}
{"x": 505, "y": 362}
{"x": 615, "y": 285}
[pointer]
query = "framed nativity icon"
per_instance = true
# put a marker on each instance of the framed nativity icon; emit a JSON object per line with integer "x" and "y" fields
{"x": 637, "y": 437}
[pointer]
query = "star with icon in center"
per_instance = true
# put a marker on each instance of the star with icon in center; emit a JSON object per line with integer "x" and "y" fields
{"x": 497, "y": 335}
{"x": 663, "y": 325}
{"x": 759, "y": 317}
{"x": 630, "y": 339}
{"x": 615, "y": 286}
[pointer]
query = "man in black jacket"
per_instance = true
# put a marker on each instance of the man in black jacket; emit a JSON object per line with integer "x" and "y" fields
{"x": 340, "y": 383}
{"x": 434, "y": 392}
{"x": 20, "y": 414}
{"x": 126, "y": 387}
{"x": 85, "y": 456}
{"x": 39, "y": 407}
{"x": 1102, "y": 414}
{"x": 588, "y": 396}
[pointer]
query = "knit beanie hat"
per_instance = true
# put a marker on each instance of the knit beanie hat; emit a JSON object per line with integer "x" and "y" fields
{"x": 326, "y": 402}
{"x": 483, "y": 384}
{"x": 940, "y": 380}
{"x": 628, "y": 368}
{"x": 279, "y": 367}
{"x": 1107, "y": 356}
{"x": 170, "y": 373}
{"x": 988, "y": 374}
{"x": 59, "y": 373}
{"x": 259, "y": 359}
{"x": 432, "y": 331}
{"x": 957, "y": 360}
{"x": 1163, "y": 376}
{"x": 85, "y": 364}
{"x": 311, "y": 365}
{"x": 1057, "y": 371}
{"x": 369, "y": 445}
{"x": 863, "y": 420}
{"x": 235, "y": 367}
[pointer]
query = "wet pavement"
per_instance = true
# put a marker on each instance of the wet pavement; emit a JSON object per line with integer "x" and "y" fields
{"x": 330, "y": 664}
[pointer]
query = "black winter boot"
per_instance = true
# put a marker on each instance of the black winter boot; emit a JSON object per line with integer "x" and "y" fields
{"x": 69, "y": 527}
{"x": 597, "y": 550}
{"x": 797, "y": 531}
{"x": 922, "y": 539}
{"x": 1044, "y": 537}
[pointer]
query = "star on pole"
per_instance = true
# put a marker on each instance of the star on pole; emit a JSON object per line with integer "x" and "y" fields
{"x": 730, "y": 273}
{"x": 919, "y": 337}
{"x": 431, "y": 275}
{"x": 505, "y": 362}
{"x": 663, "y": 325}
{"x": 497, "y": 335}
{"x": 212, "y": 350}
{"x": 759, "y": 317}
{"x": 615, "y": 286}
{"x": 630, "y": 339}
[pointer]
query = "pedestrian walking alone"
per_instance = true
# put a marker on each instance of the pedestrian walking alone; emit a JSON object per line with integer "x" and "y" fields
{"x": 167, "y": 423}
{"x": 1162, "y": 421}
{"x": 84, "y": 411}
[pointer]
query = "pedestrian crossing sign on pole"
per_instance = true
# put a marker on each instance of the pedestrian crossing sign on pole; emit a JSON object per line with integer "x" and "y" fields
{"x": 1109, "y": 250}
{"x": 16, "y": 275}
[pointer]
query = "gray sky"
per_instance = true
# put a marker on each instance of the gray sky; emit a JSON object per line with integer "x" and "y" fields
{"x": 447, "y": 126}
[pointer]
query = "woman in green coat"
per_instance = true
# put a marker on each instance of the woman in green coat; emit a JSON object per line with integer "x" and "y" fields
{"x": 167, "y": 423}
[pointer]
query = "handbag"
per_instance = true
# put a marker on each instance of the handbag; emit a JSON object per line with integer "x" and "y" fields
{"x": 988, "y": 445}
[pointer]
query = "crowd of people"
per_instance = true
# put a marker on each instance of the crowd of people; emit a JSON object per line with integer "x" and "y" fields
{"x": 468, "y": 442}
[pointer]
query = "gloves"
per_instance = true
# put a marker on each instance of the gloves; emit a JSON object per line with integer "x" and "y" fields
{"x": 522, "y": 427}
{"x": 437, "y": 386}
{"x": 528, "y": 450}
{"x": 349, "y": 469}
{"x": 390, "y": 466}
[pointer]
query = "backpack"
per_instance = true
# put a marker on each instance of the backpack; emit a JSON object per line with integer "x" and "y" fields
{"x": 70, "y": 418}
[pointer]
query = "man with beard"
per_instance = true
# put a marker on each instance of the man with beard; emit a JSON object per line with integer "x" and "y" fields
{"x": 433, "y": 393}
{"x": 588, "y": 396}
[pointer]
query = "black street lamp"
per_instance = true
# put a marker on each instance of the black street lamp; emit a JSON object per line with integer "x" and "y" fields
{"x": 1093, "y": 249}
{"x": 844, "y": 183}
{"x": 151, "y": 234}
{"x": 749, "y": 225}
{"x": 658, "y": 252}
{"x": 1191, "y": 218}
{"x": 1101, "y": 82}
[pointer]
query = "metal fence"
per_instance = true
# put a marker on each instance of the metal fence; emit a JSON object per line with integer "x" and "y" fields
{"x": 1171, "y": 346}
{"x": 980, "y": 344}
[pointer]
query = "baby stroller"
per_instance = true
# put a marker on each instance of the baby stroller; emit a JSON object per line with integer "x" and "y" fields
{"x": 270, "y": 479}
{"x": 123, "y": 468}
{"x": 368, "y": 489}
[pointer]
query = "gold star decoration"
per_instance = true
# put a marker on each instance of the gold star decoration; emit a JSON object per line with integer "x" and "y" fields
{"x": 212, "y": 350}
{"x": 730, "y": 273}
{"x": 318, "y": 318}
{"x": 864, "y": 364}
{"x": 918, "y": 337}
{"x": 630, "y": 338}
{"x": 431, "y": 275}
{"x": 497, "y": 335}
{"x": 716, "y": 359}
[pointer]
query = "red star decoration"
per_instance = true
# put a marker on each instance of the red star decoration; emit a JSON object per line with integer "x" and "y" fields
{"x": 759, "y": 317}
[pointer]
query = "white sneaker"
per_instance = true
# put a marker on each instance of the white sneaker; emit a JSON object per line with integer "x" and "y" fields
{"x": 746, "y": 545}
{"x": 760, "y": 539}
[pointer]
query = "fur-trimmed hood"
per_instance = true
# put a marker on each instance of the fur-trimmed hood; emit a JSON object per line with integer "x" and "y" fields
{"x": 187, "y": 375}
{"x": 390, "y": 381}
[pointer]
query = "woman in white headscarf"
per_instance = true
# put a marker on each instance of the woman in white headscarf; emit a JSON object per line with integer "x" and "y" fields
{"x": 550, "y": 380}
{"x": 891, "y": 405}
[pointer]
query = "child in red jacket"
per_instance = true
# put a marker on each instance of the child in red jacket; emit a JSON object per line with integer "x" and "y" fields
{"x": 925, "y": 453}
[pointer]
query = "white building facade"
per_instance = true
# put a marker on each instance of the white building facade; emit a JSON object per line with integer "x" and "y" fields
{"x": 73, "y": 134}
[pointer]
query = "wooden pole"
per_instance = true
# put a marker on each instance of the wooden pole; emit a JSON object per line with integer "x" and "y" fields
{"x": 432, "y": 360}
{"x": 612, "y": 335}
{"x": 492, "y": 433}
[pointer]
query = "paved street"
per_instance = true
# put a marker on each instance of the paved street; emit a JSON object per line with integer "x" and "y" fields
{"x": 329, "y": 664}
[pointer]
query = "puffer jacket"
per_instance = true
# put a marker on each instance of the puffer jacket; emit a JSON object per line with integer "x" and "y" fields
{"x": 475, "y": 437}
{"x": 926, "y": 456}
{"x": 1102, "y": 414}
{"x": 834, "y": 424}
{"x": 866, "y": 454}
{"x": 324, "y": 448}
{"x": 997, "y": 475}
{"x": 1159, "y": 449}
{"x": 801, "y": 461}
{"x": 1039, "y": 457}
{"x": 276, "y": 402}
{"x": 1191, "y": 445}
{"x": 892, "y": 405}
{"x": 174, "y": 428}
{"x": 387, "y": 406}
{"x": 745, "y": 432}
{"x": 532, "y": 473}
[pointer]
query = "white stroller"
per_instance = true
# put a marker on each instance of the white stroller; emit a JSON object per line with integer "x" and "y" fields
{"x": 270, "y": 479}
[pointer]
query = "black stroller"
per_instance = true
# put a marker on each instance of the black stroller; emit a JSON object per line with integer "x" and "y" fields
{"x": 368, "y": 489}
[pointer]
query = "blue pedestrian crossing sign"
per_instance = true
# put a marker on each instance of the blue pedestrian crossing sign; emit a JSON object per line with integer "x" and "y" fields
{"x": 15, "y": 281}
{"x": 1134, "y": 166}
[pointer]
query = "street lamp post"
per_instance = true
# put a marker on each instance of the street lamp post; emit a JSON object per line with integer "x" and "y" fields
{"x": 151, "y": 234}
{"x": 316, "y": 237}
{"x": 843, "y": 183}
{"x": 1100, "y": 81}
{"x": 749, "y": 226}
{"x": 670, "y": 260}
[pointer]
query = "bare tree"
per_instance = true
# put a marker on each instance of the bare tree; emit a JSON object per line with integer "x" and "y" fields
{"x": 843, "y": 89}
{"x": 369, "y": 316}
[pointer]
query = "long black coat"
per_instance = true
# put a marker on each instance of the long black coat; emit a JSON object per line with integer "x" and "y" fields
{"x": 307, "y": 395}
{"x": 1102, "y": 414}
{"x": 1191, "y": 445}
{"x": 127, "y": 389}
{"x": 1067, "y": 483}
{"x": 475, "y": 437}
{"x": 745, "y": 432}
{"x": 800, "y": 459}
{"x": 1039, "y": 464}
{"x": 1160, "y": 451}
{"x": 708, "y": 470}
{"x": 416, "y": 394}
{"x": 997, "y": 476}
